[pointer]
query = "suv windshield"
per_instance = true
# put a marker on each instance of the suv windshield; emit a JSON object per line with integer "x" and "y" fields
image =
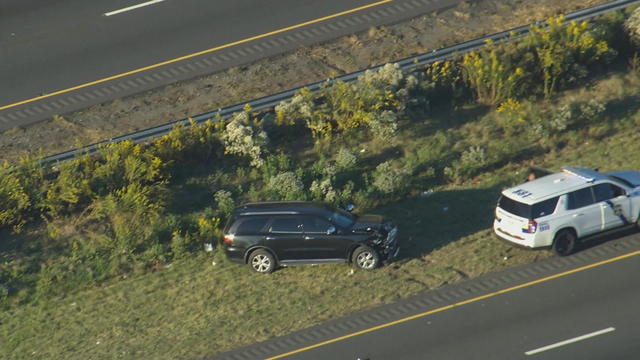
{"x": 342, "y": 218}
{"x": 534, "y": 211}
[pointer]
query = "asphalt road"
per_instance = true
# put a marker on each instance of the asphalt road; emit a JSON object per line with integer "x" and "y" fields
{"x": 584, "y": 306}
{"x": 66, "y": 55}
{"x": 509, "y": 325}
{"x": 52, "y": 45}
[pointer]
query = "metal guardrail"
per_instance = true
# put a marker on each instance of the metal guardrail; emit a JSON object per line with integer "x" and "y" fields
{"x": 407, "y": 63}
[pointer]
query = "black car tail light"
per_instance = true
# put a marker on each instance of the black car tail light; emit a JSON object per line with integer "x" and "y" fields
{"x": 228, "y": 239}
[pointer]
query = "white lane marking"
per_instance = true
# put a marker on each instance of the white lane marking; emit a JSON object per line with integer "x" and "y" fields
{"x": 569, "y": 341}
{"x": 133, "y": 7}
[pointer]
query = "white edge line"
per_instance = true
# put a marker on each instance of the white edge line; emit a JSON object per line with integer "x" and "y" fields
{"x": 133, "y": 7}
{"x": 569, "y": 341}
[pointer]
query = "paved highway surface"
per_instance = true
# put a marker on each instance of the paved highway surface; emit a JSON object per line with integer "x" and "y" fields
{"x": 585, "y": 306}
{"x": 524, "y": 321}
{"x": 51, "y": 45}
{"x": 61, "y": 56}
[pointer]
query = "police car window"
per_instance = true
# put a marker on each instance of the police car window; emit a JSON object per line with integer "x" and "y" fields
{"x": 251, "y": 225}
{"x": 544, "y": 208}
{"x": 604, "y": 192}
{"x": 314, "y": 224}
{"x": 285, "y": 225}
{"x": 580, "y": 198}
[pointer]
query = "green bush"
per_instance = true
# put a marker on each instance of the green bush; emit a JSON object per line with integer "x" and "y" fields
{"x": 224, "y": 200}
{"x": 389, "y": 179}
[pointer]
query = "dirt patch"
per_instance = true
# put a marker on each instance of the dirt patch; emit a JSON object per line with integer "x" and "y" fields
{"x": 378, "y": 45}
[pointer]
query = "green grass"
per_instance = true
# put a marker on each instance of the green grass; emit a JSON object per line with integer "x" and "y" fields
{"x": 193, "y": 308}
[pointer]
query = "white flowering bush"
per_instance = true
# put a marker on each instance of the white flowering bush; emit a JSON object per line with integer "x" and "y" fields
{"x": 345, "y": 159}
{"x": 632, "y": 26}
{"x": 383, "y": 125}
{"x": 242, "y": 137}
{"x": 286, "y": 186}
{"x": 388, "y": 77}
{"x": 300, "y": 107}
{"x": 575, "y": 113}
{"x": 389, "y": 179}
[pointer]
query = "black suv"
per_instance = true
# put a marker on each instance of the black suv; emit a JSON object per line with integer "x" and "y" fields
{"x": 267, "y": 234}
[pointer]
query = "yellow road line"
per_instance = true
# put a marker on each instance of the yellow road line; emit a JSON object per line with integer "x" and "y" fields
{"x": 413, "y": 317}
{"x": 185, "y": 57}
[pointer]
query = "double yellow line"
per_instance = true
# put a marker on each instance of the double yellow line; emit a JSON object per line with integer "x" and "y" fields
{"x": 189, "y": 56}
{"x": 441, "y": 309}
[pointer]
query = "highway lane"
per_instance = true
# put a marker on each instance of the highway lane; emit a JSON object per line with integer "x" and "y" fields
{"x": 508, "y": 325}
{"x": 51, "y": 45}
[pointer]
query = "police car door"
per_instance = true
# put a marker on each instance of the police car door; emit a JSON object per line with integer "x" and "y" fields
{"x": 585, "y": 212}
{"x": 614, "y": 205}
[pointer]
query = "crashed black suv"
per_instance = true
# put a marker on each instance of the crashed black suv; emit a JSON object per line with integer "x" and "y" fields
{"x": 270, "y": 234}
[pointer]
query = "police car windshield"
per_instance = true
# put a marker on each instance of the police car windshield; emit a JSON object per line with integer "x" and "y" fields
{"x": 526, "y": 211}
{"x": 342, "y": 218}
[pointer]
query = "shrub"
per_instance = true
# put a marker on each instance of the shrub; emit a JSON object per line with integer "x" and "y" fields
{"x": 491, "y": 75}
{"x": 345, "y": 159}
{"x": 243, "y": 137}
{"x": 389, "y": 179}
{"x": 189, "y": 143}
{"x": 181, "y": 244}
{"x": 632, "y": 26}
{"x": 130, "y": 214}
{"x": 300, "y": 107}
{"x": 286, "y": 186}
{"x": 225, "y": 202}
{"x": 469, "y": 164}
{"x": 322, "y": 190}
{"x": 564, "y": 52}
{"x": 383, "y": 125}
{"x": 14, "y": 199}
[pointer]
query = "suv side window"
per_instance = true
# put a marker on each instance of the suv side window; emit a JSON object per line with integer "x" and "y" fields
{"x": 606, "y": 191}
{"x": 580, "y": 198}
{"x": 314, "y": 224}
{"x": 286, "y": 224}
{"x": 249, "y": 225}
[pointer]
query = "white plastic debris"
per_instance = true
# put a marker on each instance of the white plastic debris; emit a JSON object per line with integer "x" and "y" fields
{"x": 208, "y": 247}
{"x": 427, "y": 193}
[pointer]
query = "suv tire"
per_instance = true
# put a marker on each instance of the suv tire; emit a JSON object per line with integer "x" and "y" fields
{"x": 262, "y": 261}
{"x": 564, "y": 242}
{"x": 365, "y": 258}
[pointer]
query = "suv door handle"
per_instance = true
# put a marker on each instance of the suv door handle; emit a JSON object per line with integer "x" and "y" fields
{"x": 309, "y": 238}
{"x": 576, "y": 215}
{"x": 269, "y": 238}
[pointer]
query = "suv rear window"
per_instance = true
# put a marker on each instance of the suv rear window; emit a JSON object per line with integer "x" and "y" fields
{"x": 248, "y": 225}
{"x": 534, "y": 211}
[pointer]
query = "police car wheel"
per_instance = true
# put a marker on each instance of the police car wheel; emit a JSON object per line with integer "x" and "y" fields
{"x": 564, "y": 243}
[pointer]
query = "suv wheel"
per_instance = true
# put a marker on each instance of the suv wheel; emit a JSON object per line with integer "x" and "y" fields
{"x": 564, "y": 243}
{"x": 366, "y": 258}
{"x": 262, "y": 261}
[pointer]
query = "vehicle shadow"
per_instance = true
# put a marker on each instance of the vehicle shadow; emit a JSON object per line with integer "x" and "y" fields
{"x": 599, "y": 239}
{"x": 432, "y": 220}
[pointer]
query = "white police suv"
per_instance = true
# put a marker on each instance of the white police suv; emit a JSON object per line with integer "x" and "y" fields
{"x": 558, "y": 209}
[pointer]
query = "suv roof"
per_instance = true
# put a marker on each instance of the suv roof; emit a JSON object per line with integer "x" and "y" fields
{"x": 284, "y": 207}
{"x": 570, "y": 178}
